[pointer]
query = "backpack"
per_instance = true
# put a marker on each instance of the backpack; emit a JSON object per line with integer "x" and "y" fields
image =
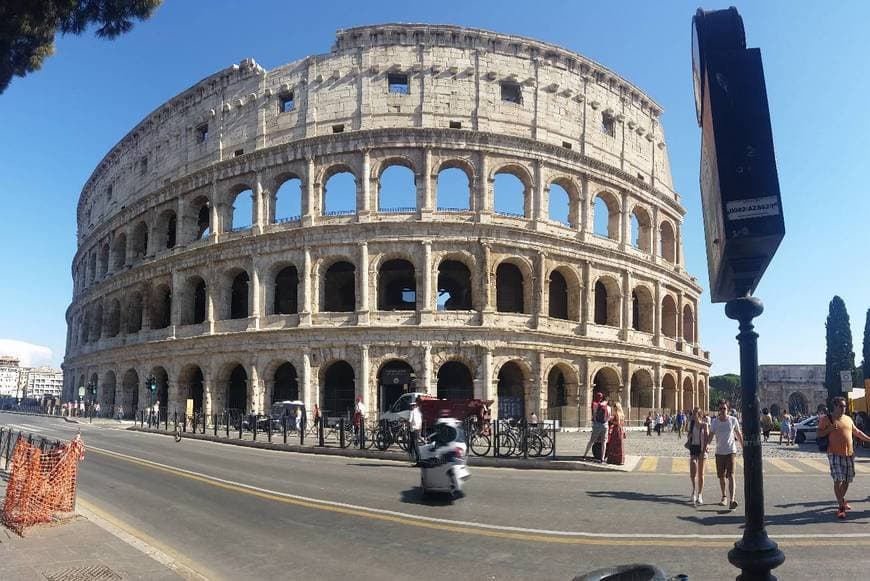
{"x": 598, "y": 416}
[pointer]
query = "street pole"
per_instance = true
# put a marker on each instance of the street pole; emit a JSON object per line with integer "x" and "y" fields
{"x": 755, "y": 554}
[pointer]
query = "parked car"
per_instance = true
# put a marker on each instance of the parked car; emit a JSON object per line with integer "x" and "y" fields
{"x": 279, "y": 410}
{"x": 806, "y": 430}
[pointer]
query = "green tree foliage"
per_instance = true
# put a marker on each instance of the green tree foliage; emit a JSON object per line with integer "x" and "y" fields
{"x": 725, "y": 387}
{"x": 865, "y": 364}
{"x": 838, "y": 355}
{"x": 28, "y": 28}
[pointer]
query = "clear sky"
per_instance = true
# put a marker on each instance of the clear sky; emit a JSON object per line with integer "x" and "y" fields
{"x": 57, "y": 123}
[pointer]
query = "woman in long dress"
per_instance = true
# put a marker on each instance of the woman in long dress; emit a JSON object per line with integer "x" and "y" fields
{"x": 615, "y": 452}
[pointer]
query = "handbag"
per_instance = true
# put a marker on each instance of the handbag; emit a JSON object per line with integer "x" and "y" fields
{"x": 822, "y": 442}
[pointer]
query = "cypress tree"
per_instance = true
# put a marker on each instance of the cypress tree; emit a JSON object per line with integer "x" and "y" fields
{"x": 838, "y": 354}
{"x": 866, "y": 350}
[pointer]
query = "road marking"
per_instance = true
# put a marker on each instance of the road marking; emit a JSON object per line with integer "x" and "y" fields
{"x": 816, "y": 465}
{"x": 482, "y": 529}
{"x": 783, "y": 465}
{"x": 862, "y": 467}
{"x": 649, "y": 464}
{"x": 143, "y": 542}
{"x": 680, "y": 466}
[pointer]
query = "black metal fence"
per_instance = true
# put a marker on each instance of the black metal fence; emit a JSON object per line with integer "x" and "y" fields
{"x": 9, "y": 438}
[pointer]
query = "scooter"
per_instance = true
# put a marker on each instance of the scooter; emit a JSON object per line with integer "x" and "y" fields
{"x": 443, "y": 465}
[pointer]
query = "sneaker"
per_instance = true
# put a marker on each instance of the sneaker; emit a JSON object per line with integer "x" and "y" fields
{"x": 847, "y": 506}
{"x": 694, "y": 499}
{"x": 733, "y": 504}
{"x": 723, "y": 502}
{"x": 700, "y": 499}
{"x": 841, "y": 513}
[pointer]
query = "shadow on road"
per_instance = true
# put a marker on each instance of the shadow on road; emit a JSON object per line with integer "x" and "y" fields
{"x": 808, "y": 517}
{"x": 377, "y": 465}
{"x": 640, "y": 496}
{"x": 415, "y": 496}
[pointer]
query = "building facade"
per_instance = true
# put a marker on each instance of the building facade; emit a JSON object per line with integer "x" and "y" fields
{"x": 796, "y": 388}
{"x": 10, "y": 375}
{"x": 482, "y": 273}
{"x": 44, "y": 382}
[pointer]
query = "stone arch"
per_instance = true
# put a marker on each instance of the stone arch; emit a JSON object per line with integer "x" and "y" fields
{"x": 104, "y": 260}
{"x": 166, "y": 230}
{"x": 284, "y": 383}
{"x": 642, "y": 309}
{"x": 338, "y": 195}
{"x": 106, "y": 397}
{"x": 641, "y": 229}
{"x": 570, "y": 192}
{"x": 562, "y": 380}
{"x": 239, "y": 208}
{"x": 688, "y": 394}
{"x": 119, "y": 252}
{"x": 606, "y": 380}
{"x": 397, "y": 285}
{"x": 196, "y": 301}
{"x": 92, "y": 267}
{"x": 394, "y": 377}
{"x": 285, "y": 290}
{"x": 338, "y": 290}
{"x": 774, "y": 410}
{"x": 607, "y": 301}
{"x": 566, "y": 293}
{"x": 285, "y": 201}
{"x": 642, "y": 397}
{"x": 454, "y": 286}
{"x": 688, "y": 324}
{"x": 606, "y": 203}
{"x": 140, "y": 240}
{"x": 513, "y": 378}
{"x": 191, "y": 385}
{"x": 396, "y": 185}
{"x": 236, "y": 387}
{"x": 338, "y": 389}
{"x": 797, "y": 404}
{"x": 454, "y": 381}
{"x": 129, "y": 400}
{"x": 453, "y": 181}
{"x": 161, "y": 307}
{"x": 669, "y": 393}
{"x": 513, "y": 285}
{"x": 96, "y": 331}
{"x": 667, "y": 241}
{"x": 237, "y": 294}
{"x": 512, "y": 191}
{"x": 85, "y": 326}
{"x": 161, "y": 393}
{"x": 113, "y": 318}
{"x": 669, "y": 316}
{"x": 200, "y": 218}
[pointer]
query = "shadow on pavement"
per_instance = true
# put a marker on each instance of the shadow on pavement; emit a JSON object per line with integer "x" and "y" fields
{"x": 378, "y": 465}
{"x": 415, "y": 496}
{"x": 640, "y": 496}
{"x": 809, "y": 517}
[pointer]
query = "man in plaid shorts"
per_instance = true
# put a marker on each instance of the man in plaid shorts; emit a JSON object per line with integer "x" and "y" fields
{"x": 840, "y": 429}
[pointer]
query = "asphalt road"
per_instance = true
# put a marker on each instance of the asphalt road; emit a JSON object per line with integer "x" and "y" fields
{"x": 228, "y": 512}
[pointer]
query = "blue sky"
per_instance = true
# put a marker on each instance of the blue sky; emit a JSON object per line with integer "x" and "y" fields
{"x": 58, "y": 123}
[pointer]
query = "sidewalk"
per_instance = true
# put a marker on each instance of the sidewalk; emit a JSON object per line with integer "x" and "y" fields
{"x": 74, "y": 549}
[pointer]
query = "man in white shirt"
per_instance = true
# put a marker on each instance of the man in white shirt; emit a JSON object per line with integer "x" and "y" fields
{"x": 415, "y": 419}
{"x": 726, "y": 430}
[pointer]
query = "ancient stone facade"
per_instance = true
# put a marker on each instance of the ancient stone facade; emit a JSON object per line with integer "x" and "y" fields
{"x": 796, "y": 388}
{"x": 357, "y": 297}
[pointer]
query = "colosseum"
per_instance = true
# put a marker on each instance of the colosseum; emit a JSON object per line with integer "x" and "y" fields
{"x": 425, "y": 207}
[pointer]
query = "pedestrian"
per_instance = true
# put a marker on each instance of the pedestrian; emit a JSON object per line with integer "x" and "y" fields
{"x": 648, "y": 422}
{"x": 120, "y": 412}
{"x": 659, "y": 423}
{"x": 97, "y": 409}
{"x": 678, "y": 423}
{"x": 785, "y": 427}
{"x": 600, "y": 419}
{"x": 317, "y": 415}
{"x": 615, "y": 452}
{"x": 697, "y": 434}
{"x": 726, "y": 430}
{"x": 415, "y": 421}
{"x": 840, "y": 429}
{"x": 533, "y": 419}
{"x": 297, "y": 420}
{"x": 766, "y": 423}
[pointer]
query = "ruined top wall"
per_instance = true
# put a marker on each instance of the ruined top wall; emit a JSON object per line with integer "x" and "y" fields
{"x": 455, "y": 76}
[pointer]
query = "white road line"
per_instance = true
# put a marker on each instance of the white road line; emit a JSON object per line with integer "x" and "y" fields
{"x": 405, "y": 515}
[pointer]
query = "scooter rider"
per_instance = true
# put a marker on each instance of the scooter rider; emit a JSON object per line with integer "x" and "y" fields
{"x": 416, "y": 426}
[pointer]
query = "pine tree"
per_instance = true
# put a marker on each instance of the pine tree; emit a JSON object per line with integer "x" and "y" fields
{"x": 866, "y": 350}
{"x": 838, "y": 355}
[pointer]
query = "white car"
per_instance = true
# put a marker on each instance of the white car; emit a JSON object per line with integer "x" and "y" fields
{"x": 806, "y": 430}
{"x": 401, "y": 409}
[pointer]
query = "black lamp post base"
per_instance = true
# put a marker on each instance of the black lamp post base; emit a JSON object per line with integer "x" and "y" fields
{"x": 756, "y": 558}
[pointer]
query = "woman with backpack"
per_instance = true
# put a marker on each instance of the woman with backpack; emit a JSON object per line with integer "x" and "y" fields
{"x": 698, "y": 432}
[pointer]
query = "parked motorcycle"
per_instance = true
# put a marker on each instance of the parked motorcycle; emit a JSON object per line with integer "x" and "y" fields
{"x": 443, "y": 466}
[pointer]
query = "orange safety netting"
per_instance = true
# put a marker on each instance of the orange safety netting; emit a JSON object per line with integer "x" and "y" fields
{"x": 41, "y": 483}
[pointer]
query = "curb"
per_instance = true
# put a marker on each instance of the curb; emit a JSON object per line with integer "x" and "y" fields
{"x": 557, "y": 463}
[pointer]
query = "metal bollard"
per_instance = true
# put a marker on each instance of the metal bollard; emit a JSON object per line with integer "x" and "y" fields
{"x": 165, "y": 422}
{"x": 284, "y": 427}
{"x": 174, "y": 420}
{"x": 554, "y": 440}
{"x": 495, "y": 439}
{"x": 524, "y": 431}
{"x": 256, "y": 421}
{"x": 341, "y": 432}
{"x": 184, "y": 423}
{"x": 241, "y": 422}
{"x": 301, "y": 433}
{"x": 269, "y": 428}
{"x": 227, "y": 423}
{"x": 320, "y": 441}
{"x": 362, "y": 434}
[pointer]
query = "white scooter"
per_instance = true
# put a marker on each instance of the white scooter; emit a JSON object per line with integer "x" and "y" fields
{"x": 443, "y": 465}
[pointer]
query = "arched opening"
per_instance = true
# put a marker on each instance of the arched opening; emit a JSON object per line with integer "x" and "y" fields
{"x": 190, "y": 384}
{"x": 113, "y": 321}
{"x": 558, "y": 296}
{"x": 93, "y": 267}
{"x": 286, "y": 289}
{"x": 237, "y": 390}
{"x": 669, "y": 317}
{"x": 397, "y": 190}
{"x": 286, "y": 384}
{"x": 107, "y": 393}
{"x": 560, "y": 205}
{"x": 130, "y": 394}
{"x": 104, "y": 260}
{"x": 557, "y": 393}
{"x": 454, "y": 286}
{"x": 85, "y": 328}
{"x": 161, "y": 394}
{"x": 161, "y": 307}
{"x": 605, "y": 217}
{"x": 339, "y": 288}
{"x": 509, "y": 288}
{"x": 119, "y": 252}
{"x": 196, "y": 301}
{"x": 667, "y": 246}
{"x": 454, "y": 381}
{"x": 288, "y": 201}
{"x": 339, "y": 194}
{"x": 688, "y": 324}
{"x": 397, "y": 286}
{"x": 239, "y": 296}
{"x": 165, "y": 230}
{"x": 688, "y": 394}
{"x": 338, "y": 389}
{"x": 669, "y": 394}
{"x": 642, "y": 309}
{"x": 134, "y": 313}
{"x": 774, "y": 410}
{"x": 453, "y": 192}
{"x": 97, "y": 323}
{"x": 641, "y": 393}
{"x": 606, "y": 381}
{"x": 242, "y": 211}
{"x": 511, "y": 392}
{"x": 797, "y": 404}
{"x": 607, "y": 302}
{"x": 202, "y": 214}
{"x": 641, "y": 229}
{"x": 509, "y": 195}
{"x": 140, "y": 241}
{"x": 395, "y": 378}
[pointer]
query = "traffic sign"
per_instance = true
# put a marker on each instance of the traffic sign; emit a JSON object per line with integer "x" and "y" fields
{"x": 82, "y": 391}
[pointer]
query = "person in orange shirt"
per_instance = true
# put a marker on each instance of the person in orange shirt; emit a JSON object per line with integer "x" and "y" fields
{"x": 840, "y": 429}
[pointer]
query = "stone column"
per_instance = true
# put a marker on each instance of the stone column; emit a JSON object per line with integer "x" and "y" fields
{"x": 657, "y": 387}
{"x": 657, "y": 319}
{"x": 210, "y": 299}
{"x": 586, "y": 226}
{"x": 176, "y": 298}
{"x": 255, "y": 389}
{"x": 256, "y": 290}
{"x": 309, "y": 193}
{"x": 539, "y": 201}
{"x": 484, "y": 190}
{"x": 180, "y": 233}
{"x": 680, "y": 303}
{"x": 426, "y": 203}
{"x": 678, "y": 246}
{"x": 208, "y": 393}
{"x": 625, "y": 224}
{"x": 308, "y": 394}
{"x": 425, "y": 302}
{"x": 363, "y": 295}
{"x": 488, "y": 389}
{"x": 307, "y": 290}
{"x": 486, "y": 279}
{"x": 364, "y": 201}
{"x": 656, "y": 240}
{"x": 627, "y": 310}
{"x": 585, "y": 297}
{"x": 260, "y": 217}
{"x": 362, "y": 385}
{"x": 426, "y": 385}
{"x": 539, "y": 399}
{"x": 541, "y": 298}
